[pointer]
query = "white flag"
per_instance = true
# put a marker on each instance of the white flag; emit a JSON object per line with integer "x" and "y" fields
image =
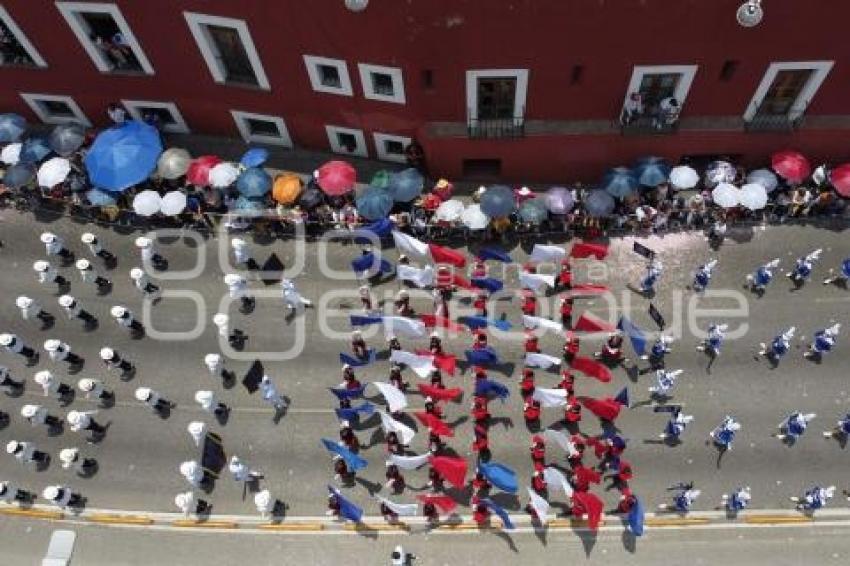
{"x": 542, "y": 252}
{"x": 404, "y": 432}
{"x": 544, "y": 361}
{"x": 396, "y": 400}
{"x": 402, "y": 326}
{"x": 423, "y": 366}
{"x": 550, "y": 397}
{"x": 411, "y": 246}
{"x": 535, "y": 280}
{"x": 409, "y": 462}
{"x": 531, "y": 322}
{"x": 555, "y": 480}
{"x": 420, "y": 277}
{"x": 400, "y": 509}
{"x": 561, "y": 440}
{"x": 540, "y": 505}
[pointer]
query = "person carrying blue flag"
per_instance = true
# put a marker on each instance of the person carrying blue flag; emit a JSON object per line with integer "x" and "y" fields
{"x": 762, "y": 276}
{"x": 823, "y": 342}
{"x": 778, "y": 347}
{"x": 841, "y": 277}
{"x": 794, "y": 426}
{"x": 803, "y": 268}
{"x": 659, "y": 349}
{"x": 737, "y": 500}
{"x": 653, "y": 272}
{"x": 702, "y": 277}
{"x": 724, "y": 434}
{"x": 714, "y": 340}
{"x": 814, "y": 498}
{"x": 347, "y": 437}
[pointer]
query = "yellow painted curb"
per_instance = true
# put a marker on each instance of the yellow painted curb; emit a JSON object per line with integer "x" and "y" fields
{"x": 120, "y": 519}
{"x": 205, "y": 524}
{"x": 34, "y": 513}
{"x": 773, "y": 519}
{"x": 293, "y": 527}
{"x": 570, "y": 523}
{"x": 671, "y": 522}
{"x": 462, "y": 527}
{"x": 376, "y": 527}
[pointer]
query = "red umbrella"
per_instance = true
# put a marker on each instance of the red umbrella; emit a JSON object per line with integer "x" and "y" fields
{"x": 840, "y": 179}
{"x": 791, "y": 165}
{"x": 336, "y": 177}
{"x": 199, "y": 170}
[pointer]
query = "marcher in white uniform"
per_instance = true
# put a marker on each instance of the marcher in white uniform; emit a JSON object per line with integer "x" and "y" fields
{"x": 271, "y": 395}
{"x": 62, "y": 496}
{"x": 241, "y": 472}
{"x": 215, "y": 365}
{"x": 90, "y": 275}
{"x": 125, "y": 318}
{"x": 31, "y": 309}
{"x": 26, "y": 453}
{"x": 14, "y": 344}
{"x": 51, "y": 386}
{"x": 222, "y": 322}
{"x": 208, "y": 402}
{"x": 73, "y": 310}
{"x": 47, "y": 274}
{"x": 38, "y": 415}
{"x": 114, "y": 361}
{"x": 198, "y": 431}
{"x": 152, "y": 399}
{"x": 193, "y": 473}
{"x": 12, "y": 494}
{"x": 61, "y": 352}
{"x": 82, "y": 421}
{"x": 292, "y": 298}
{"x": 187, "y": 503}
{"x": 95, "y": 247}
{"x": 264, "y": 502}
{"x": 9, "y": 385}
{"x": 54, "y": 245}
{"x": 72, "y": 460}
{"x": 94, "y": 389}
{"x": 143, "y": 283}
{"x": 237, "y": 288}
{"x": 149, "y": 254}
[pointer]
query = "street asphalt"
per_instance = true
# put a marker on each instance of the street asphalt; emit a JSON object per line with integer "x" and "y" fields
{"x": 139, "y": 457}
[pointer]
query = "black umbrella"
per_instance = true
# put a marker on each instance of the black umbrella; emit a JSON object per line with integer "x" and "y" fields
{"x": 19, "y": 175}
{"x": 311, "y": 198}
{"x": 65, "y": 139}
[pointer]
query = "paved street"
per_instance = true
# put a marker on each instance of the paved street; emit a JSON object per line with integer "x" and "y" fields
{"x": 139, "y": 457}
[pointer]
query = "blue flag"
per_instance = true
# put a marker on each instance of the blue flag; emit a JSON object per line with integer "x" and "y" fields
{"x": 493, "y": 253}
{"x": 635, "y": 334}
{"x": 623, "y": 397}
{"x": 356, "y": 362}
{"x": 362, "y": 320}
{"x": 345, "y": 393}
{"x": 635, "y": 518}
{"x": 352, "y": 460}
{"x": 380, "y": 228}
{"x": 475, "y": 322}
{"x": 489, "y": 283}
{"x": 488, "y": 388}
{"x": 483, "y": 357}
{"x": 368, "y": 262}
{"x": 353, "y": 413}
{"x": 503, "y": 515}
{"x": 347, "y": 509}
{"x": 500, "y": 476}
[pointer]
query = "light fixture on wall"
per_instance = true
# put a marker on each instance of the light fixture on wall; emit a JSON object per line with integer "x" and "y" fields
{"x": 356, "y": 5}
{"x": 750, "y": 13}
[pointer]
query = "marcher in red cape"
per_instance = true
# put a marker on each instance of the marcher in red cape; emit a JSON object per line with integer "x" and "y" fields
{"x": 571, "y": 346}
{"x": 480, "y": 304}
{"x": 627, "y": 500}
{"x": 532, "y": 344}
{"x": 566, "y": 310}
{"x": 567, "y": 382}
{"x": 529, "y": 303}
{"x": 435, "y": 443}
{"x": 526, "y": 386}
{"x": 479, "y": 270}
{"x": 480, "y": 484}
{"x": 480, "y": 512}
{"x": 437, "y": 379}
{"x": 433, "y": 408}
{"x": 396, "y": 379}
{"x": 572, "y": 410}
{"x": 538, "y": 449}
{"x": 481, "y": 444}
{"x": 402, "y": 304}
{"x": 435, "y": 479}
{"x": 480, "y": 413}
{"x": 436, "y": 344}
{"x": 358, "y": 345}
{"x": 395, "y": 481}
{"x": 623, "y": 473}
{"x": 580, "y": 442}
{"x": 348, "y": 377}
{"x": 565, "y": 276}
{"x": 531, "y": 412}
{"x": 612, "y": 351}
{"x": 444, "y": 281}
{"x": 347, "y": 436}
{"x": 538, "y": 484}
{"x": 584, "y": 476}
{"x": 480, "y": 339}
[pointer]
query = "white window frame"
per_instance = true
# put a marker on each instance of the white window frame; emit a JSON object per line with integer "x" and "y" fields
{"x": 395, "y": 73}
{"x": 381, "y": 150}
{"x": 241, "y": 118}
{"x": 360, "y": 151}
{"x": 197, "y": 25}
{"x": 472, "y": 76}
{"x": 134, "y": 108}
{"x": 22, "y": 38}
{"x": 33, "y": 99}
{"x": 71, "y": 12}
{"x": 312, "y": 63}
{"x": 821, "y": 70}
{"x": 688, "y": 73}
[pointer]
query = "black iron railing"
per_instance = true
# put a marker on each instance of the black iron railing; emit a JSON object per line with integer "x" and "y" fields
{"x": 763, "y": 121}
{"x": 493, "y": 128}
{"x": 647, "y": 126}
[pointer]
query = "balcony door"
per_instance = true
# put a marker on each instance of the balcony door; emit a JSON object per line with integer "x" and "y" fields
{"x": 784, "y": 92}
{"x": 496, "y": 98}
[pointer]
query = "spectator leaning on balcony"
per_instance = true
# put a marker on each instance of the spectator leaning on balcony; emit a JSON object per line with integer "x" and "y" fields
{"x": 668, "y": 112}
{"x": 632, "y": 109}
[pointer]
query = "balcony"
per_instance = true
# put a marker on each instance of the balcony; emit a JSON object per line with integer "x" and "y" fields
{"x": 495, "y": 128}
{"x": 766, "y": 122}
{"x": 648, "y": 126}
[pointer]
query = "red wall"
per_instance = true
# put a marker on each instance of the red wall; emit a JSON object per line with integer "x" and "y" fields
{"x": 549, "y": 37}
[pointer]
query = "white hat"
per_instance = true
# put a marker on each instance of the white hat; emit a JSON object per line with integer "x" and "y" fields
{"x": 47, "y": 237}
{"x": 435, "y": 334}
{"x": 68, "y": 456}
{"x": 346, "y": 366}
{"x": 107, "y": 353}
{"x": 12, "y": 446}
{"x": 86, "y": 384}
{"x": 142, "y": 242}
{"x": 234, "y": 459}
{"x": 220, "y": 319}
{"x": 51, "y": 492}
{"x": 481, "y": 190}
{"x": 232, "y": 279}
{"x": 196, "y": 427}
{"x": 74, "y": 417}
{"x": 66, "y": 301}
{"x": 6, "y": 339}
{"x": 188, "y": 468}
{"x": 41, "y": 265}
{"x": 83, "y": 264}
{"x": 142, "y": 393}
{"x": 344, "y": 424}
{"x": 183, "y": 499}
{"x": 42, "y": 377}
{"x": 237, "y": 243}
{"x": 364, "y": 290}
{"x": 23, "y": 302}
{"x": 29, "y": 411}
{"x": 52, "y": 345}
{"x": 403, "y": 293}
{"x": 212, "y": 359}
{"x": 118, "y": 311}
{"x": 356, "y": 333}
{"x": 262, "y": 498}
{"x": 88, "y": 238}
{"x": 524, "y": 191}
{"x": 390, "y": 337}
{"x": 136, "y": 273}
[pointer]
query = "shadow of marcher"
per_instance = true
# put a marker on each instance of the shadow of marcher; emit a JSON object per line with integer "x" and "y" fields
{"x": 629, "y": 540}
{"x": 588, "y": 540}
{"x": 278, "y": 514}
{"x": 280, "y": 412}
{"x": 508, "y": 539}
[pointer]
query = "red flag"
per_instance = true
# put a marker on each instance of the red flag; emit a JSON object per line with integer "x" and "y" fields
{"x": 462, "y": 282}
{"x": 445, "y": 255}
{"x": 584, "y": 476}
{"x": 606, "y": 409}
{"x": 586, "y": 503}
{"x": 585, "y": 290}
{"x": 438, "y": 394}
{"x": 431, "y": 321}
{"x": 588, "y": 322}
{"x": 453, "y": 469}
{"x": 583, "y": 249}
{"x": 443, "y": 502}
{"x": 446, "y": 363}
{"x": 591, "y": 368}
{"x": 434, "y": 424}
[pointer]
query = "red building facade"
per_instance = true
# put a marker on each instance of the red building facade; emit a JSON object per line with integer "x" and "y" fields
{"x": 525, "y": 90}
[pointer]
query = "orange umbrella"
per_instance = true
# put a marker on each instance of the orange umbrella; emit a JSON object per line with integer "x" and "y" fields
{"x": 287, "y": 188}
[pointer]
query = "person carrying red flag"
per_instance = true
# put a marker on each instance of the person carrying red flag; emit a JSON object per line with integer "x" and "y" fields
{"x": 538, "y": 449}
{"x": 432, "y": 408}
{"x": 481, "y": 444}
{"x": 571, "y": 347}
{"x": 480, "y": 484}
{"x": 480, "y": 304}
{"x": 532, "y": 345}
{"x": 480, "y": 414}
{"x": 565, "y": 276}
{"x": 612, "y": 352}
{"x": 531, "y": 411}
{"x": 526, "y": 386}
{"x": 567, "y": 382}
{"x": 480, "y": 340}
{"x": 444, "y": 282}
{"x": 529, "y": 303}
{"x": 480, "y": 513}
{"x": 538, "y": 484}
{"x": 583, "y": 477}
{"x": 436, "y": 344}
{"x": 566, "y": 309}
{"x": 435, "y": 480}
{"x": 479, "y": 270}
{"x": 627, "y": 500}
{"x": 437, "y": 379}
{"x": 572, "y": 410}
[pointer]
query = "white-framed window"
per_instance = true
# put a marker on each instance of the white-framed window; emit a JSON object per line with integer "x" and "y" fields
{"x": 55, "y": 109}
{"x": 391, "y": 148}
{"x": 228, "y": 50}
{"x": 787, "y": 88}
{"x": 382, "y": 83}
{"x": 658, "y": 82}
{"x": 347, "y": 141}
{"x": 106, "y": 36}
{"x": 262, "y": 128}
{"x": 166, "y": 114}
{"x": 328, "y": 75}
{"x": 496, "y": 94}
{"x": 17, "y": 49}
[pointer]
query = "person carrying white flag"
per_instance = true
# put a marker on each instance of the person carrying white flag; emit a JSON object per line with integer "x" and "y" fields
{"x": 422, "y": 366}
{"x": 422, "y": 278}
{"x": 543, "y": 361}
{"x": 532, "y": 322}
{"x": 540, "y": 506}
{"x": 550, "y": 397}
{"x": 535, "y": 281}
{"x": 400, "y": 509}
{"x": 556, "y": 480}
{"x": 402, "y": 326}
{"x": 389, "y": 424}
{"x": 541, "y": 253}
{"x": 396, "y": 401}
{"x": 408, "y": 245}
{"x": 561, "y": 440}
{"x": 410, "y": 462}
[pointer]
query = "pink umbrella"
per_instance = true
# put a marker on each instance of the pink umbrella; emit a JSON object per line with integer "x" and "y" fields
{"x": 199, "y": 170}
{"x": 336, "y": 177}
{"x": 791, "y": 165}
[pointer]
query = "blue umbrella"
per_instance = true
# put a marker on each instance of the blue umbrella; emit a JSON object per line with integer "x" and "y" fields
{"x": 248, "y": 206}
{"x": 534, "y": 211}
{"x": 406, "y": 185}
{"x": 98, "y": 197}
{"x": 19, "y": 175}
{"x": 12, "y": 127}
{"x": 619, "y": 182}
{"x": 65, "y": 139}
{"x": 559, "y": 200}
{"x": 651, "y": 171}
{"x": 123, "y": 156}
{"x": 254, "y": 157}
{"x": 34, "y": 150}
{"x": 498, "y": 200}
{"x": 599, "y": 203}
{"x": 374, "y": 203}
{"x": 254, "y": 182}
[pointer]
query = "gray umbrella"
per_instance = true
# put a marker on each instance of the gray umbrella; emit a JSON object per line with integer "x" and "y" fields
{"x": 19, "y": 175}
{"x": 65, "y": 139}
{"x": 599, "y": 203}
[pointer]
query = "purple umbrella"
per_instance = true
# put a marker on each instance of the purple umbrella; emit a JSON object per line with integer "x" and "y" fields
{"x": 559, "y": 200}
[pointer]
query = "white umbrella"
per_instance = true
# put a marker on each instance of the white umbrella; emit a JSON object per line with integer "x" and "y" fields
{"x": 11, "y": 153}
{"x": 753, "y": 196}
{"x": 726, "y": 195}
{"x": 764, "y": 177}
{"x": 449, "y": 211}
{"x": 473, "y": 218}
{"x": 147, "y": 203}
{"x": 53, "y": 171}
{"x": 173, "y": 203}
{"x": 684, "y": 177}
{"x": 223, "y": 175}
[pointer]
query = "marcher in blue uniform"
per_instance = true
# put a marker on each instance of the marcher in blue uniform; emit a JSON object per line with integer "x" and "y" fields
{"x": 703, "y": 275}
{"x": 778, "y": 347}
{"x": 676, "y": 425}
{"x": 724, "y": 434}
{"x": 803, "y": 268}
{"x": 683, "y": 499}
{"x": 823, "y": 342}
{"x": 842, "y": 277}
{"x": 714, "y": 340}
{"x": 759, "y": 280}
{"x": 653, "y": 272}
{"x": 841, "y": 430}
{"x": 814, "y": 498}
{"x": 737, "y": 500}
{"x": 794, "y": 426}
{"x": 664, "y": 382}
